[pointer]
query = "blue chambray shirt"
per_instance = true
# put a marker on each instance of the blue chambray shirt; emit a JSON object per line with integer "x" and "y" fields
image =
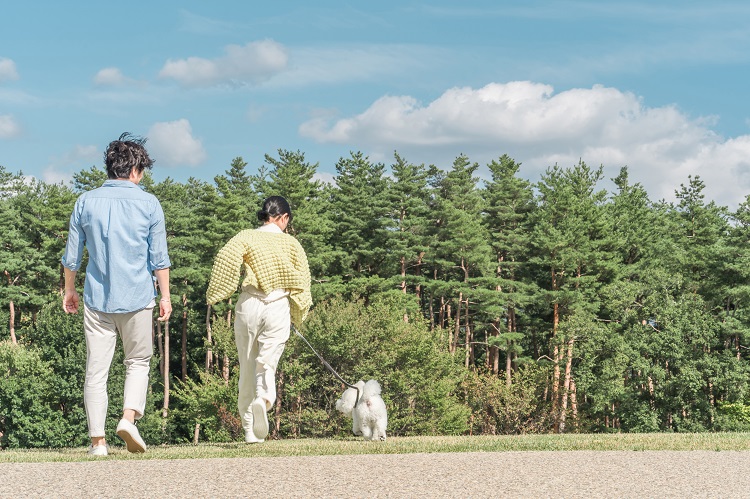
{"x": 122, "y": 226}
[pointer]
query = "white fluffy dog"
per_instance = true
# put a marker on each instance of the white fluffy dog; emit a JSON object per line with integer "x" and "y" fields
{"x": 369, "y": 416}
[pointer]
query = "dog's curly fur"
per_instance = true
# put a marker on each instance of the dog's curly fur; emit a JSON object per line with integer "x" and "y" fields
{"x": 369, "y": 415}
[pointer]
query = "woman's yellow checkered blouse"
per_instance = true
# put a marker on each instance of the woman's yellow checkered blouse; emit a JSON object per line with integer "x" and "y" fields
{"x": 270, "y": 261}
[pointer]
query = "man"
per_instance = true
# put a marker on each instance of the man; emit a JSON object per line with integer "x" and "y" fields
{"x": 122, "y": 228}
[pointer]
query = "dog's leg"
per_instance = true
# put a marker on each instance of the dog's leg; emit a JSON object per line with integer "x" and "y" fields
{"x": 380, "y": 432}
{"x": 382, "y": 423}
{"x": 356, "y": 423}
{"x": 367, "y": 432}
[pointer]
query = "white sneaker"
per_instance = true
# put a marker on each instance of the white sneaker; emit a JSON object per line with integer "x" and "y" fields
{"x": 129, "y": 433}
{"x": 260, "y": 418}
{"x": 250, "y": 438}
{"x": 98, "y": 450}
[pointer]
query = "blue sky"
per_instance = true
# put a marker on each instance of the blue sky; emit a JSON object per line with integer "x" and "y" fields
{"x": 660, "y": 87}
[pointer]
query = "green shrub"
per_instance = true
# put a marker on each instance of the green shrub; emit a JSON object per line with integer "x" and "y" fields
{"x": 30, "y": 414}
{"x": 210, "y": 403}
{"x": 420, "y": 380}
{"x": 501, "y": 409}
{"x": 732, "y": 417}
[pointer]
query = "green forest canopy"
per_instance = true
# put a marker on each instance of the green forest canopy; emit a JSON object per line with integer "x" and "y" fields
{"x": 543, "y": 306}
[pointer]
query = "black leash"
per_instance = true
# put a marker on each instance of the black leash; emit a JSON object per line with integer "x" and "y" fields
{"x": 327, "y": 364}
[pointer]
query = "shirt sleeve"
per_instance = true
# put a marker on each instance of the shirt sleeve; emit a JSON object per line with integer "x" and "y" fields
{"x": 158, "y": 256}
{"x": 225, "y": 273}
{"x": 301, "y": 298}
{"x": 73, "y": 255}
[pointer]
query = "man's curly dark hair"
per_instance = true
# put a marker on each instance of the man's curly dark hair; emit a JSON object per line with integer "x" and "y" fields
{"x": 126, "y": 154}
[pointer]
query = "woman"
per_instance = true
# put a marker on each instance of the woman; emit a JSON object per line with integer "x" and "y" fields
{"x": 275, "y": 293}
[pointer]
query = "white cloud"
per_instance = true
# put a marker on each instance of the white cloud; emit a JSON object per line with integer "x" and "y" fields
{"x": 53, "y": 175}
{"x": 326, "y": 178}
{"x": 8, "y": 70}
{"x": 109, "y": 76}
{"x": 78, "y": 157}
{"x": 60, "y": 168}
{"x": 9, "y": 128}
{"x": 172, "y": 144}
{"x": 83, "y": 154}
{"x": 252, "y": 63}
{"x": 661, "y": 146}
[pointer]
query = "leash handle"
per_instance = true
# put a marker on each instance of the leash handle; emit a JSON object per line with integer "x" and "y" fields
{"x": 326, "y": 363}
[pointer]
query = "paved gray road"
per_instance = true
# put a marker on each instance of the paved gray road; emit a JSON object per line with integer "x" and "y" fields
{"x": 480, "y": 474}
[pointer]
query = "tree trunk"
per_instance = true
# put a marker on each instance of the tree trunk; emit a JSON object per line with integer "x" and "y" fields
{"x": 403, "y": 274}
{"x": 277, "y": 406}
{"x": 196, "y": 433}
{"x": 160, "y": 346}
{"x": 651, "y": 400}
{"x": 467, "y": 335}
{"x": 556, "y": 354}
{"x": 513, "y": 328}
{"x": 432, "y": 316}
{"x": 508, "y": 365}
{"x": 418, "y": 272}
{"x": 450, "y": 331}
{"x": 13, "y": 323}
{"x": 441, "y": 314}
{"x": 209, "y": 341}
{"x": 457, "y": 325}
{"x": 183, "y": 354}
{"x": 556, "y": 357}
{"x": 737, "y": 343}
{"x": 574, "y": 401}
{"x": 566, "y": 385}
{"x": 165, "y": 408}
{"x": 509, "y": 353}
{"x": 494, "y": 352}
{"x": 469, "y": 359}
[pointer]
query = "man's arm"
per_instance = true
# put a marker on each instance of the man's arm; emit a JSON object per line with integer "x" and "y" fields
{"x": 70, "y": 298}
{"x": 165, "y": 302}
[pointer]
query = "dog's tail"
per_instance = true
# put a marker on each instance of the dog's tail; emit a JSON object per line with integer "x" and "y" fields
{"x": 371, "y": 389}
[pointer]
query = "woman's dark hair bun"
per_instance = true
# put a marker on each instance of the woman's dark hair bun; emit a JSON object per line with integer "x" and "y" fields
{"x": 274, "y": 206}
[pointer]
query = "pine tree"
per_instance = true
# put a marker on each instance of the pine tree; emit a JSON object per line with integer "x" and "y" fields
{"x": 237, "y": 202}
{"x": 87, "y": 180}
{"x": 37, "y": 221}
{"x": 293, "y": 178}
{"x": 407, "y": 231}
{"x": 509, "y": 201}
{"x": 185, "y": 220}
{"x": 702, "y": 227}
{"x": 460, "y": 252}
{"x": 569, "y": 240}
{"x": 735, "y": 277}
{"x": 360, "y": 209}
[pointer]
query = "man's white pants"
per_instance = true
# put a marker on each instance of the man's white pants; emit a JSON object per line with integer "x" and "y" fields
{"x": 261, "y": 330}
{"x": 101, "y": 330}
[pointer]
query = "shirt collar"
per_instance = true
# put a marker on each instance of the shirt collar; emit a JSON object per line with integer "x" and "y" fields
{"x": 112, "y": 182}
{"x": 271, "y": 228}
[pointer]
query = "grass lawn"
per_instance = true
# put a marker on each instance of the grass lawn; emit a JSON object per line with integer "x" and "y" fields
{"x": 407, "y": 445}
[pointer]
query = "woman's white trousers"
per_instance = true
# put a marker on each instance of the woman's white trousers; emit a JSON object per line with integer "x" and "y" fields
{"x": 261, "y": 329}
